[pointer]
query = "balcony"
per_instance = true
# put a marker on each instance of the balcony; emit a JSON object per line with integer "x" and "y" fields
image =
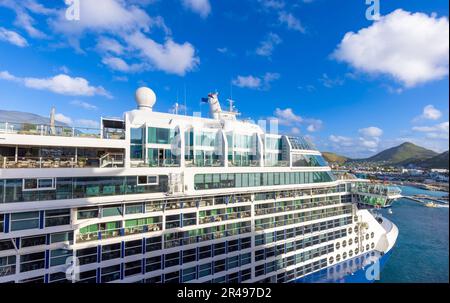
{"x": 142, "y": 229}
{"x": 203, "y": 163}
{"x": 59, "y": 131}
{"x": 376, "y": 195}
{"x": 59, "y": 157}
{"x": 376, "y": 189}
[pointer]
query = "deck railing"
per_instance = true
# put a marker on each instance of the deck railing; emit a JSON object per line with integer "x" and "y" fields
{"x": 59, "y": 131}
{"x": 108, "y": 160}
{"x": 376, "y": 189}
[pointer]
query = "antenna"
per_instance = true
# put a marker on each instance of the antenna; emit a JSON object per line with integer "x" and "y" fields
{"x": 231, "y": 102}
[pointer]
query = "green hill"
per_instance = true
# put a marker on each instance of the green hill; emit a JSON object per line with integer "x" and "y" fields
{"x": 404, "y": 153}
{"x": 439, "y": 161}
{"x": 334, "y": 158}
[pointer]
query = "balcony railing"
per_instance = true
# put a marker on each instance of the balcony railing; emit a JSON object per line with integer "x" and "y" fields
{"x": 109, "y": 160}
{"x": 118, "y": 232}
{"x": 252, "y": 163}
{"x": 376, "y": 189}
{"x": 200, "y": 163}
{"x": 112, "y": 160}
{"x": 58, "y": 131}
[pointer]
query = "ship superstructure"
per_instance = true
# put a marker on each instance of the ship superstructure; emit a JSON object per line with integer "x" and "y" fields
{"x": 157, "y": 197}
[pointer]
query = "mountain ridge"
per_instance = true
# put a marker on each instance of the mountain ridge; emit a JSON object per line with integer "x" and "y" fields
{"x": 404, "y": 154}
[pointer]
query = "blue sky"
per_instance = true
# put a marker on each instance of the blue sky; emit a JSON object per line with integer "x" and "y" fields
{"x": 354, "y": 86}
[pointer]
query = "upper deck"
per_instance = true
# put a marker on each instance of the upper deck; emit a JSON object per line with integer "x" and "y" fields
{"x": 144, "y": 138}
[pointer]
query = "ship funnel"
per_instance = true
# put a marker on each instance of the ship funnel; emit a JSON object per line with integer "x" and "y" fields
{"x": 145, "y": 98}
{"x": 214, "y": 105}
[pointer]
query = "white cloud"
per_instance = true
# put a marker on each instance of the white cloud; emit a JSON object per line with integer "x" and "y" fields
{"x": 222, "y": 50}
{"x": 370, "y": 144}
{"x": 369, "y": 141}
{"x": 254, "y": 82}
{"x": 201, "y": 7}
{"x": 64, "y": 119}
{"x": 105, "y": 45}
{"x": 247, "y": 81}
{"x": 5, "y": 75}
{"x": 354, "y": 146}
{"x": 12, "y": 37}
{"x": 315, "y": 125}
{"x": 370, "y": 137}
{"x": 290, "y": 21}
{"x": 23, "y": 10}
{"x": 84, "y": 105}
{"x": 270, "y": 77}
{"x": 441, "y": 127}
{"x": 341, "y": 140}
{"x": 123, "y": 30}
{"x": 170, "y": 57}
{"x": 410, "y": 47}
{"x": 295, "y": 131}
{"x": 104, "y": 15}
{"x": 64, "y": 69}
{"x": 429, "y": 113}
{"x": 119, "y": 64}
{"x": 371, "y": 132}
{"x": 267, "y": 46}
{"x": 87, "y": 123}
{"x": 287, "y": 117}
{"x": 59, "y": 84}
{"x": 443, "y": 135}
{"x": 37, "y": 8}
{"x": 435, "y": 136}
{"x": 272, "y": 4}
{"x": 329, "y": 82}
{"x": 78, "y": 122}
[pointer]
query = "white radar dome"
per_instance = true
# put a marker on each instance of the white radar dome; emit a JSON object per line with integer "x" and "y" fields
{"x": 145, "y": 98}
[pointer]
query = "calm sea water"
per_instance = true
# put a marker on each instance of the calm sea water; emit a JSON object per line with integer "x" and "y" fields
{"x": 421, "y": 253}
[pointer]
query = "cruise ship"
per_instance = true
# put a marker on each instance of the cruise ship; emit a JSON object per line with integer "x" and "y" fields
{"x": 158, "y": 197}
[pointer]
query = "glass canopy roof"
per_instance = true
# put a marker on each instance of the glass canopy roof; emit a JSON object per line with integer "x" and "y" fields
{"x": 301, "y": 143}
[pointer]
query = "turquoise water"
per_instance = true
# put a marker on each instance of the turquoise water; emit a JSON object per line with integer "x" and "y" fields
{"x": 421, "y": 253}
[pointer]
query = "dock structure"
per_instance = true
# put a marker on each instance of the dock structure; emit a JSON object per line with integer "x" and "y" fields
{"x": 422, "y": 198}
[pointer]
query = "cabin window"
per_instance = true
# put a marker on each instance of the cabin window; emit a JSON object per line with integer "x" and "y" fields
{"x": 33, "y": 241}
{"x": 22, "y": 221}
{"x": 147, "y": 180}
{"x": 39, "y": 184}
{"x": 57, "y": 217}
{"x": 160, "y": 135}
{"x": 2, "y": 223}
{"x": 137, "y": 141}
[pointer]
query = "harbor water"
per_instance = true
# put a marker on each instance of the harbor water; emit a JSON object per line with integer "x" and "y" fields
{"x": 421, "y": 254}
